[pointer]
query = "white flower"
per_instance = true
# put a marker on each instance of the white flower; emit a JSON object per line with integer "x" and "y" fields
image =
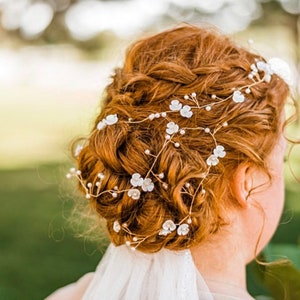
{"x": 116, "y": 226}
{"x": 111, "y": 119}
{"x": 167, "y": 228}
{"x": 147, "y": 185}
{"x": 134, "y": 194}
{"x": 175, "y": 105}
{"x": 164, "y": 232}
{"x": 172, "y": 128}
{"x": 169, "y": 225}
{"x": 212, "y": 160}
{"x": 267, "y": 69}
{"x": 101, "y": 125}
{"x": 183, "y": 229}
{"x": 238, "y": 97}
{"x": 219, "y": 151}
{"x": 136, "y": 180}
{"x": 186, "y": 111}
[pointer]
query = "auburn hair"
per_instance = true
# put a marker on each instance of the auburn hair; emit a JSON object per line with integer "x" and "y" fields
{"x": 156, "y": 70}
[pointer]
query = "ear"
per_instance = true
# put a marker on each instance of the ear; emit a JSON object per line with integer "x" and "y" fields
{"x": 242, "y": 184}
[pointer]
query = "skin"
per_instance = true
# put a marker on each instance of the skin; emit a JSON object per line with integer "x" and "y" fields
{"x": 222, "y": 260}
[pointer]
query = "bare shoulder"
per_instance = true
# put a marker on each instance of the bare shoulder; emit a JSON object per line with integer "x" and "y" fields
{"x": 74, "y": 291}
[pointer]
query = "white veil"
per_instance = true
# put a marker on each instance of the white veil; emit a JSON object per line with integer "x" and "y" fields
{"x": 132, "y": 275}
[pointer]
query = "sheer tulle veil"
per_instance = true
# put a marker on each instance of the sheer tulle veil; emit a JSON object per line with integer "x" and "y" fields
{"x": 132, "y": 275}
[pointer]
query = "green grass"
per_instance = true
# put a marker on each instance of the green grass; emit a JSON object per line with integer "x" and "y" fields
{"x": 39, "y": 252}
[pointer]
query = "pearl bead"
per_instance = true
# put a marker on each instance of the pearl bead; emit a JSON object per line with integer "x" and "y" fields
{"x": 87, "y": 196}
{"x": 208, "y": 108}
{"x": 213, "y": 96}
{"x": 186, "y": 97}
{"x": 89, "y": 185}
{"x": 207, "y": 130}
{"x": 68, "y": 175}
{"x": 163, "y": 114}
{"x": 194, "y": 95}
{"x": 161, "y": 175}
{"x": 101, "y": 175}
{"x": 177, "y": 145}
{"x": 147, "y": 151}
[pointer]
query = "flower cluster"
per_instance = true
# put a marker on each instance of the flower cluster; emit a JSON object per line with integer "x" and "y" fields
{"x": 213, "y": 159}
{"x": 137, "y": 181}
{"x": 169, "y": 226}
{"x": 148, "y": 182}
{"x": 109, "y": 120}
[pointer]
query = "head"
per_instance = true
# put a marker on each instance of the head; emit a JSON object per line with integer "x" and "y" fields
{"x": 187, "y": 189}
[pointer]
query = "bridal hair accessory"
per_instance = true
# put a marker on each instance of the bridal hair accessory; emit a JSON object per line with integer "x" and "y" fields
{"x": 145, "y": 183}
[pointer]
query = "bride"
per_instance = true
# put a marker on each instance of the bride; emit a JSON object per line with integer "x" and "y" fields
{"x": 185, "y": 164}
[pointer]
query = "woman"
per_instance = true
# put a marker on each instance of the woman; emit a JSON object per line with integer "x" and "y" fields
{"x": 185, "y": 165}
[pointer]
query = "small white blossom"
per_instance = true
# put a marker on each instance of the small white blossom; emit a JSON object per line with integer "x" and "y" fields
{"x": 186, "y": 111}
{"x": 238, "y": 97}
{"x": 134, "y": 194}
{"x": 212, "y": 160}
{"x": 111, "y": 119}
{"x": 101, "y": 125}
{"x": 169, "y": 225}
{"x": 267, "y": 69}
{"x": 183, "y": 229}
{"x": 172, "y": 128}
{"x": 147, "y": 185}
{"x": 175, "y": 105}
{"x": 219, "y": 151}
{"x": 136, "y": 180}
{"x": 116, "y": 226}
{"x": 164, "y": 232}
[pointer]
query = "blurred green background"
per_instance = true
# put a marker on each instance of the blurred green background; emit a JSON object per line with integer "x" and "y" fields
{"x": 56, "y": 57}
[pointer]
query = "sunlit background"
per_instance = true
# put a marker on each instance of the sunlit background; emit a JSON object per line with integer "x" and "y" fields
{"x": 56, "y": 57}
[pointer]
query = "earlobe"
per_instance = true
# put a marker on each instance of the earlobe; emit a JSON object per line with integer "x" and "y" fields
{"x": 242, "y": 184}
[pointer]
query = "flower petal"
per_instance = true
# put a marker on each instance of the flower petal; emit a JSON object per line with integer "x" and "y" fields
{"x": 183, "y": 229}
{"x": 238, "y": 97}
{"x": 116, "y": 226}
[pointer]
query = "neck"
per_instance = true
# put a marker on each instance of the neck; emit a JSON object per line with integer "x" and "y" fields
{"x": 222, "y": 263}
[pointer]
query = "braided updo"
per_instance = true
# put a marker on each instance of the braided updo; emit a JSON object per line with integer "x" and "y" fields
{"x": 158, "y": 69}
